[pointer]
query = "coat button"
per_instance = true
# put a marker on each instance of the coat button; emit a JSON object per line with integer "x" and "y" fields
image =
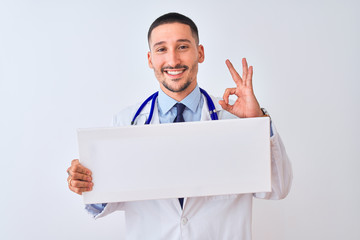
{"x": 184, "y": 221}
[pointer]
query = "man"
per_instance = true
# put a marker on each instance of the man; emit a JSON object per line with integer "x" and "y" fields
{"x": 174, "y": 56}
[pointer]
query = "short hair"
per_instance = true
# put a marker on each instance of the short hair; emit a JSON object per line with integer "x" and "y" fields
{"x": 174, "y": 17}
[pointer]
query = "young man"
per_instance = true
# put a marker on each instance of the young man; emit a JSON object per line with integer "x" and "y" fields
{"x": 174, "y": 55}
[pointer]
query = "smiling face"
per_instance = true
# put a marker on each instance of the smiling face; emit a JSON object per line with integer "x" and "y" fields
{"x": 174, "y": 55}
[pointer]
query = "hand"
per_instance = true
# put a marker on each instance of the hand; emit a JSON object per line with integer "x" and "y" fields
{"x": 246, "y": 104}
{"x": 79, "y": 178}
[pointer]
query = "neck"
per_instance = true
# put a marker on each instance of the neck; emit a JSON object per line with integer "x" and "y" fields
{"x": 178, "y": 96}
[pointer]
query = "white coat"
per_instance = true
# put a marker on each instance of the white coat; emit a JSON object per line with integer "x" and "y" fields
{"x": 213, "y": 217}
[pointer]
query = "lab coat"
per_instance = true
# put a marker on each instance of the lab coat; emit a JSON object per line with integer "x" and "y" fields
{"x": 223, "y": 217}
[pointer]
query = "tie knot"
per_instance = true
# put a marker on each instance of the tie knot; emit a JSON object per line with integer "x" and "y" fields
{"x": 180, "y": 109}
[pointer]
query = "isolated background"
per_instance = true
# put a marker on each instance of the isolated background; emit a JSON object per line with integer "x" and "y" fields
{"x": 72, "y": 64}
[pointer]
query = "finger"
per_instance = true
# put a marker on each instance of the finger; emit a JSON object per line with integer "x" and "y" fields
{"x": 82, "y": 177}
{"x": 234, "y": 74}
{"x": 78, "y": 168}
{"x": 225, "y": 106}
{"x": 248, "y": 82}
{"x": 80, "y": 184}
{"x": 75, "y": 161}
{"x": 245, "y": 69}
{"x": 227, "y": 93}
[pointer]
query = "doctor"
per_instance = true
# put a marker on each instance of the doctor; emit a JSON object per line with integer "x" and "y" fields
{"x": 174, "y": 56}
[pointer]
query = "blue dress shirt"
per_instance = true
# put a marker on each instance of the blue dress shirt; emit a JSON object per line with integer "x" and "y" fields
{"x": 193, "y": 102}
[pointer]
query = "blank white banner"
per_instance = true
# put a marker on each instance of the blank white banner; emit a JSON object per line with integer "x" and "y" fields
{"x": 177, "y": 160}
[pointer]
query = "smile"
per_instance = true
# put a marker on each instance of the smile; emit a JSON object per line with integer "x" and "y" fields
{"x": 174, "y": 72}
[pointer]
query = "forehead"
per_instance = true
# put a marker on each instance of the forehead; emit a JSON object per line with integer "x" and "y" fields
{"x": 171, "y": 32}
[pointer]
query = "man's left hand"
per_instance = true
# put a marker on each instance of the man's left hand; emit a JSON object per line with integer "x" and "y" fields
{"x": 246, "y": 105}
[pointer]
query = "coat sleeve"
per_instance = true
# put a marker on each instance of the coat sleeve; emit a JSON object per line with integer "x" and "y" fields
{"x": 281, "y": 171}
{"x": 109, "y": 208}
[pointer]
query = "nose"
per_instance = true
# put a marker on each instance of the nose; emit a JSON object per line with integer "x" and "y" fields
{"x": 173, "y": 58}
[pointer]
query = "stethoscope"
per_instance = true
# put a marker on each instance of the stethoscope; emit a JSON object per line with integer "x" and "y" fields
{"x": 152, "y": 98}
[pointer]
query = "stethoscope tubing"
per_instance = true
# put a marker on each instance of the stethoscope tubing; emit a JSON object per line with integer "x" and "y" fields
{"x": 152, "y": 98}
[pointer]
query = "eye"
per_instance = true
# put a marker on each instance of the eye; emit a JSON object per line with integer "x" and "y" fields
{"x": 161, "y": 49}
{"x": 182, "y": 47}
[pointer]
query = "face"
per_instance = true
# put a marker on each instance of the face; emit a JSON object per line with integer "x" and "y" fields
{"x": 174, "y": 56}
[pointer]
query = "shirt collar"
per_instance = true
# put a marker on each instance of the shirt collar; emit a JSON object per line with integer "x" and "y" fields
{"x": 191, "y": 101}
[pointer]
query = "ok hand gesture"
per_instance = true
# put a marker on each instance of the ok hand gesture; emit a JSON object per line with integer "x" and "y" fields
{"x": 246, "y": 104}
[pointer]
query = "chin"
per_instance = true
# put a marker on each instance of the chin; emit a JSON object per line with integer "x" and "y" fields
{"x": 178, "y": 87}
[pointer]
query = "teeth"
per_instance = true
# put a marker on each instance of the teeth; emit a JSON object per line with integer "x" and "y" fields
{"x": 174, "y": 72}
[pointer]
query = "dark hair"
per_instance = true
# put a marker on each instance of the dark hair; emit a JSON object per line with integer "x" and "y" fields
{"x": 174, "y": 17}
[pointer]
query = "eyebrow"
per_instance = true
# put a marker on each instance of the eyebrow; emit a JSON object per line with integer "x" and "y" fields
{"x": 179, "y": 40}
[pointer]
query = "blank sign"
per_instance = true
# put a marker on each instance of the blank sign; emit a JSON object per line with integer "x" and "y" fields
{"x": 177, "y": 160}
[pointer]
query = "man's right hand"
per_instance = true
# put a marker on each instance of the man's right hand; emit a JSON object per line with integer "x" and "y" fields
{"x": 79, "y": 179}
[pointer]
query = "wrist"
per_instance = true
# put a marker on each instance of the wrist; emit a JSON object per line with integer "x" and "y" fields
{"x": 264, "y": 113}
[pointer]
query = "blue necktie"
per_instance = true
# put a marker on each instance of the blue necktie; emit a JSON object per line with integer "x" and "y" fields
{"x": 180, "y": 109}
{"x": 179, "y": 118}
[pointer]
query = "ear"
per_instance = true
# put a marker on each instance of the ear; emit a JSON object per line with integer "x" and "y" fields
{"x": 149, "y": 60}
{"x": 201, "y": 53}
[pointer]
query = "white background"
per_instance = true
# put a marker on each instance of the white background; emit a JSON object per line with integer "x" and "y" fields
{"x": 71, "y": 64}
